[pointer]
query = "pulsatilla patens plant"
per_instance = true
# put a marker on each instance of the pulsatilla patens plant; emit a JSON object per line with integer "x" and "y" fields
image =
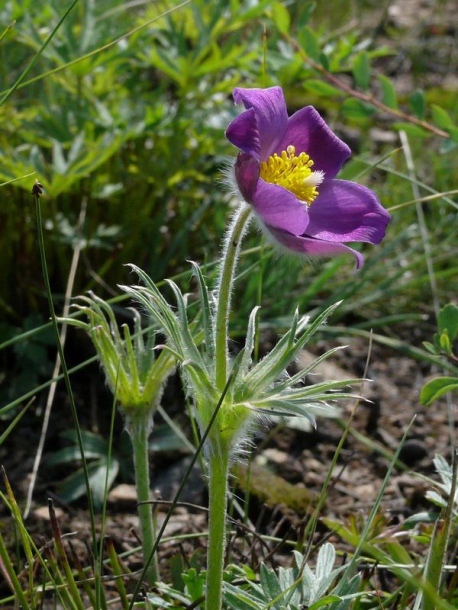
{"x": 304, "y": 211}
{"x": 251, "y": 391}
{"x": 136, "y": 374}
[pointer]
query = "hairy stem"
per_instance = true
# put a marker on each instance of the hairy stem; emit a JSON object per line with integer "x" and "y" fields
{"x": 139, "y": 428}
{"x": 218, "y": 466}
{"x": 229, "y": 259}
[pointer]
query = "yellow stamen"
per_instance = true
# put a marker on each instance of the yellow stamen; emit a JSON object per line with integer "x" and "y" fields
{"x": 293, "y": 173}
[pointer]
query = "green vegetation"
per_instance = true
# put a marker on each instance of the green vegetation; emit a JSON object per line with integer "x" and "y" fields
{"x": 118, "y": 111}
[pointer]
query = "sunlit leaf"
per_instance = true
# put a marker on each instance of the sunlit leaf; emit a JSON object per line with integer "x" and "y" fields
{"x": 362, "y": 70}
{"x": 389, "y": 95}
{"x": 436, "y": 388}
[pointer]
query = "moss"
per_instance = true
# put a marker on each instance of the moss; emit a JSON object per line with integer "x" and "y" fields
{"x": 273, "y": 490}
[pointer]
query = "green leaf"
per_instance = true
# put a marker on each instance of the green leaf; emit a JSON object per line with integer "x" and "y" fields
{"x": 362, "y": 70}
{"x": 309, "y": 42}
{"x": 448, "y": 320}
{"x": 454, "y": 137}
{"x": 321, "y": 88}
{"x": 444, "y": 342}
{"x": 280, "y": 17}
{"x": 307, "y": 9}
{"x": 412, "y": 130}
{"x": 355, "y": 109}
{"x": 205, "y": 308}
{"x": 417, "y": 103}
{"x": 324, "y": 601}
{"x": 324, "y": 61}
{"x": 325, "y": 561}
{"x": 194, "y": 583}
{"x": 429, "y": 347}
{"x": 269, "y": 583}
{"x": 436, "y": 388}
{"x": 238, "y": 599}
{"x": 389, "y": 95}
{"x": 441, "y": 117}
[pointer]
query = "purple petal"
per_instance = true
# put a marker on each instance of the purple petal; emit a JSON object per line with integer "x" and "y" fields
{"x": 279, "y": 208}
{"x": 308, "y": 132}
{"x": 247, "y": 175}
{"x": 258, "y": 130}
{"x": 346, "y": 211}
{"x": 313, "y": 247}
{"x": 243, "y": 132}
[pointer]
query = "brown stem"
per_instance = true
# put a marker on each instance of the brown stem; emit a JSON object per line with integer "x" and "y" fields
{"x": 365, "y": 97}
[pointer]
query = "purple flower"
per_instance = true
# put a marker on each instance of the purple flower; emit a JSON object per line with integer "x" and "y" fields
{"x": 286, "y": 170}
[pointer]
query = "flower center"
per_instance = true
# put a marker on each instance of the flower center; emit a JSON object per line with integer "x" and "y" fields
{"x": 293, "y": 173}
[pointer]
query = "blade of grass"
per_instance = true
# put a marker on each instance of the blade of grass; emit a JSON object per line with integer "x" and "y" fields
{"x": 62, "y": 555}
{"x": 69, "y": 64}
{"x": 7, "y": 29}
{"x": 58, "y": 582}
{"x": 83, "y": 580}
{"x": 38, "y": 54}
{"x": 63, "y": 336}
{"x": 377, "y": 501}
{"x": 117, "y": 571}
{"x": 15, "y": 421}
{"x": 16, "y": 179}
{"x": 6, "y": 567}
{"x": 36, "y": 193}
{"x": 17, "y": 518}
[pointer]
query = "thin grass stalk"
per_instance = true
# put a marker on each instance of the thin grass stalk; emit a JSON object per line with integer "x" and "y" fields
{"x": 105, "y": 499}
{"x": 117, "y": 571}
{"x": 52, "y": 388}
{"x": 7, "y": 569}
{"x": 25, "y": 538}
{"x": 378, "y": 500}
{"x": 83, "y": 579}
{"x": 65, "y": 374}
{"x": 73, "y": 62}
{"x": 37, "y": 54}
{"x": 15, "y": 421}
{"x": 58, "y": 582}
{"x": 62, "y": 555}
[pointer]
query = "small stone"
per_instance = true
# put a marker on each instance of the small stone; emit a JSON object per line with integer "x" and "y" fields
{"x": 123, "y": 494}
{"x": 412, "y": 451}
{"x": 42, "y": 512}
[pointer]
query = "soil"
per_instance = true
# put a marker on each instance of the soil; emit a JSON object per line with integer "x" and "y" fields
{"x": 288, "y": 468}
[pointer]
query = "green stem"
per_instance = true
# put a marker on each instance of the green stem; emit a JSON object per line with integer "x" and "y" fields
{"x": 224, "y": 289}
{"x": 139, "y": 428}
{"x": 218, "y": 467}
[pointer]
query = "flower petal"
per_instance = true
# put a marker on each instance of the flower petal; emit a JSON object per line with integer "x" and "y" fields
{"x": 277, "y": 207}
{"x": 312, "y": 247}
{"x": 246, "y": 171}
{"x": 308, "y": 132}
{"x": 258, "y": 130}
{"x": 243, "y": 132}
{"x": 346, "y": 211}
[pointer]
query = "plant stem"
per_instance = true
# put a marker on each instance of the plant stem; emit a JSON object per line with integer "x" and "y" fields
{"x": 228, "y": 264}
{"x": 218, "y": 466}
{"x": 139, "y": 428}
